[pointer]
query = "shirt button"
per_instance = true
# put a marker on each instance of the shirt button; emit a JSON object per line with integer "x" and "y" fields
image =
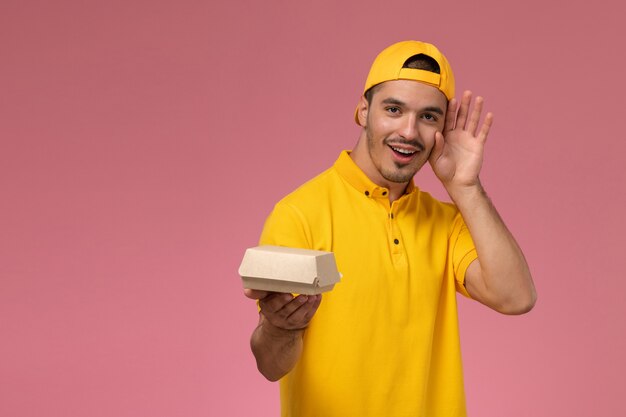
{"x": 396, "y": 241}
{"x": 367, "y": 193}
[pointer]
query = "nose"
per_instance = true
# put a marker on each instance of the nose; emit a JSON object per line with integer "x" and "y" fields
{"x": 408, "y": 130}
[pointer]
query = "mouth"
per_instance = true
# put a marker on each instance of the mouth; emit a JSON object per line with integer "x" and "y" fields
{"x": 403, "y": 153}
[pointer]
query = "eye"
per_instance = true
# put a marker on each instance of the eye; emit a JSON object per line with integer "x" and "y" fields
{"x": 430, "y": 117}
{"x": 393, "y": 110}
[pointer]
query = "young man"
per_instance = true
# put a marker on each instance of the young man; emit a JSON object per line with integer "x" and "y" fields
{"x": 385, "y": 341}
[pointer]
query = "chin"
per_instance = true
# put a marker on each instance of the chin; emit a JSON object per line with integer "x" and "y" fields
{"x": 399, "y": 177}
{"x": 402, "y": 175}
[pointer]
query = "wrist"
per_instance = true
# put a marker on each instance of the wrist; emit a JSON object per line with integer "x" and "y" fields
{"x": 459, "y": 193}
{"x": 274, "y": 332}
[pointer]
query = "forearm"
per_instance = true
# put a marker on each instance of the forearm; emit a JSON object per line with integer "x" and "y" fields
{"x": 502, "y": 278}
{"x": 276, "y": 350}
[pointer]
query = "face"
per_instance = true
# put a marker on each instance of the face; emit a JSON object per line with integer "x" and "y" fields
{"x": 400, "y": 125}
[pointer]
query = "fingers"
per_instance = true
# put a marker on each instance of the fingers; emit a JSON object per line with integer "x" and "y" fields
{"x": 461, "y": 117}
{"x": 451, "y": 115}
{"x": 484, "y": 129}
{"x": 474, "y": 119}
{"x": 303, "y": 314}
{"x": 468, "y": 120}
{"x": 288, "y": 312}
{"x": 275, "y": 302}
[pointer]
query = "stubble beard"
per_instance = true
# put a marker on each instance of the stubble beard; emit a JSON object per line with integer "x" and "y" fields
{"x": 403, "y": 172}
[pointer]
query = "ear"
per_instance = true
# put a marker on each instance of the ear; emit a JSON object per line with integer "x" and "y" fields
{"x": 361, "y": 111}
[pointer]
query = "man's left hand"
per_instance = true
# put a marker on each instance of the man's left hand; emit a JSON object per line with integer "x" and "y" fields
{"x": 457, "y": 155}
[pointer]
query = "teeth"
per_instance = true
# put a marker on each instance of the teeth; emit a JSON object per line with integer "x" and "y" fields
{"x": 403, "y": 151}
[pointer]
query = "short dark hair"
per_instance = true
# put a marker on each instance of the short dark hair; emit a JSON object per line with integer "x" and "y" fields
{"x": 419, "y": 61}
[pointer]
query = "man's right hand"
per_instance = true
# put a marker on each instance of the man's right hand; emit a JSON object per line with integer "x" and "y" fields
{"x": 283, "y": 310}
{"x": 277, "y": 340}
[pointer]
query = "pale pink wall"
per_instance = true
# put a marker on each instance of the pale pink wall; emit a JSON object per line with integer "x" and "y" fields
{"x": 142, "y": 144}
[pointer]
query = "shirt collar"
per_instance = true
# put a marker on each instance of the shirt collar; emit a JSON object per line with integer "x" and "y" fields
{"x": 346, "y": 167}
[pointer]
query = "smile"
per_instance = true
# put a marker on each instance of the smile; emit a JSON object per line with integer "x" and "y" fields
{"x": 406, "y": 152}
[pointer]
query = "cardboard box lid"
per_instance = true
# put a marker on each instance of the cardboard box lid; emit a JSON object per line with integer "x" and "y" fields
{"x": 280, "y": 263}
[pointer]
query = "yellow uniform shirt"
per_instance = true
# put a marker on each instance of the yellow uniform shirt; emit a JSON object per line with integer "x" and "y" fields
{"x": 385, "y": 340}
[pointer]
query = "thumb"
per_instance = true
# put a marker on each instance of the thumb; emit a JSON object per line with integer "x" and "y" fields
{"x": 255, "y": 294}
{"x": 437, "y": 150}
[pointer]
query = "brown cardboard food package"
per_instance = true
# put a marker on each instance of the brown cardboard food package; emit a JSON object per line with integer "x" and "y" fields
{"x": 291, "y": 270}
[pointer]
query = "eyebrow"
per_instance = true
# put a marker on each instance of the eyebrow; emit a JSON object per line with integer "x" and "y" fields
{"x": 434, "y": 110}
{"x": 395, "y": 101}
{"x": 392, "y": 100}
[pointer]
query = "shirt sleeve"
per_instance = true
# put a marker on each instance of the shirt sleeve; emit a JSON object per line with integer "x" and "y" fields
{"x": 463, "y": 253}
{"x": 286, "y": 226}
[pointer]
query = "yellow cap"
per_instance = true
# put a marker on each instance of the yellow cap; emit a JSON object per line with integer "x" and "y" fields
{"x": 388, "y": 67}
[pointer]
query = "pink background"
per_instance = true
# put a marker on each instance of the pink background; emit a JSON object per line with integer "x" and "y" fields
{"x": 142, "y": 144}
